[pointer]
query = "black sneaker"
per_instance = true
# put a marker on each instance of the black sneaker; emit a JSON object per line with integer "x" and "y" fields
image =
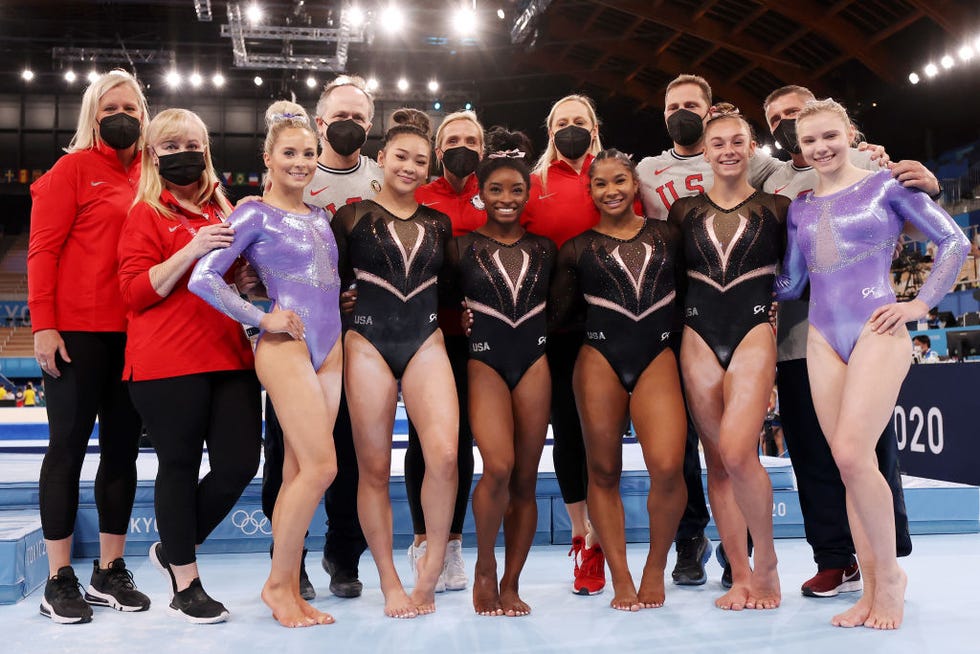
{"x": 159, "y": 560}
{"x": 62, "y": 600}
{"x": 197, "y": 606}
{"x": 114, "y": 587}
{"x": 726, "y": 575}
{"x": 343, "y": 581}
{"x": 692, "y": 554}
{"x": 306, "y": 589}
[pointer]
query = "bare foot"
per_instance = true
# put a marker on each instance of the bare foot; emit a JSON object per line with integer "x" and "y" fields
{"x": 319, "y": 617}
{"x": 513, "y": 605}
{"x": 764, "y": 590}
{"x": 486, "y": 596}
{"x": 652, "y": 593}
{"x": 855, "y": 616}
{"x": 888, "y": 606}
{"x": 735, "y": 599}
{"x": 285, "y": 608}
{"x": 399, "y": 605}
{"x": 425, "y": 602}
{"x": 624, "y": 598}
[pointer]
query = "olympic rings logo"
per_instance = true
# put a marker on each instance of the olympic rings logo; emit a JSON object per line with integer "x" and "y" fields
{"x": 251, "y": 523}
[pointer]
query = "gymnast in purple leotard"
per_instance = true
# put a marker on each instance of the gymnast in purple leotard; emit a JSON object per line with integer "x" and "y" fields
{"x": 299, "y": 356}
{"x": 295, "y": 255}
{"x": 844, "y": 242}
{"x": 858, "y": 350}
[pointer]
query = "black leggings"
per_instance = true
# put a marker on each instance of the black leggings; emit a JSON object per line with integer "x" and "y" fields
{"x": 568, "y": 449}
{"x": 457, "y": 347}
{"x": 91, "y": 385}
{"x": 182, "y": 414}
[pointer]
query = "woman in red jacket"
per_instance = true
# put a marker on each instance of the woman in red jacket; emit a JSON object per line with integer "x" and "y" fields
{"x": 190, "y": 367}
{"x": 560, "y": 207}
{"x": 79, "y": 323}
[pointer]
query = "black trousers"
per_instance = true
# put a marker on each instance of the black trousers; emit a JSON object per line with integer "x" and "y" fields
{"x": 457, "y": 348}
{"x": 222, "y": 410}
{"x": 91, "y": 385}
{"x": 821, "y": 490}
{"x": 344, "y": 542}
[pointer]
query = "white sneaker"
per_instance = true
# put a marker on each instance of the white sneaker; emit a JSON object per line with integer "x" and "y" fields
{"x": 416, "y": 553}
{"x": 453, "y": 569}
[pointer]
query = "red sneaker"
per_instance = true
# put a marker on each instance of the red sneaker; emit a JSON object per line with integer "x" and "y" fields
{"x": 590, "y": 568}
{"x": 833, "y": 581}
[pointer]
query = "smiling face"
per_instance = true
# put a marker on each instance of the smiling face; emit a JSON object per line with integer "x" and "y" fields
{"x": 728, "y": 146}
{"x": 405, "y": 160}
{"x": 292, "y": 160}
{"x": 613, "y": 188}
{"x": 504, "y": 194}
{"x": 825, "y": 139}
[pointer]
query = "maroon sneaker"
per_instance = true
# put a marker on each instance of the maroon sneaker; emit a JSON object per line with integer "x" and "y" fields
{"x": 833, "y": 581}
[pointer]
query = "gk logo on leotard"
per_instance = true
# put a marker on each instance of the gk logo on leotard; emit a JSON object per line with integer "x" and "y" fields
{"x": 251, "y": 523}
{"x": 542, "y": 340}
{"x": 432, "y": 317}
{"x": 664, "y": 336}
{"x": 364, "y": 320}
{"x": 480, "y": 347}
{"x": 867, "y": 291}
{"x": 759, "y": 308}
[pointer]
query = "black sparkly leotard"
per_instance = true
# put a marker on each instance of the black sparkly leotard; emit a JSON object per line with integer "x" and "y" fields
{"x": 396, "y": 263}
{"x": 628, "y": 287}
{"x": 506, "y": 286}
{"x": 731, "y": 257}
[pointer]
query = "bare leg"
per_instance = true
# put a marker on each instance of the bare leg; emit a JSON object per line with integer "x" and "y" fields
{"x": 429, "y": 391}
{"x": 531, "y": 414}
{"x": 704, "y": 386}
{"x": 491, "y": 419}
{"x": 306, "y": 405}
{"x": 372, "y": 394}
{"x": 59, "y": 554}
{"x": 602, "y": 403}
{"x": 867, "y": 395}
{"x": 657, "y": 409}
{"x": 748, "y": 385}
{"x": 111, "y": 547}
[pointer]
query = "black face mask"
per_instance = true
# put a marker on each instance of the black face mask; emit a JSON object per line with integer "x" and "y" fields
{"x": 119, "y": 131}
{"x": 785, "y": 133}
{"x": 460, "y": 161}
{"x": 182, "y": 168}
{"x": 685, "y": 127}
{"x": 345, "y": 137}
{"x": 573, "y": 141}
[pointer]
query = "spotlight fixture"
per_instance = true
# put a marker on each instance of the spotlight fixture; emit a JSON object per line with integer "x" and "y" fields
{"x": 914, "y": 78}
{"x": 253, "y": 13}
{"x": 437, "y": 105}
{"x": 27, "y": 75}
{"x": 218, "y": 80}
{"x": 173, "y": 79}
{"x": 965, "y": 53}
{"x": 392, "y": 19}
{"x": 931, "y": 70}
{"x": 257, "y": 80}
{"x": 433, "y": 86}
{"x": 355, "y": 15}
{"x": 402, "y": 84}
{"x": 947, "y": 62}
{"x": 371, "y": 84}
{"x": 311, "y": 81}
{"x": 500, "y": 14}
{"x": 70, "y": 76}
{"x": 196, "y": 80}
{"x": 465, "y": 22}
{"x": 93, "y": 77}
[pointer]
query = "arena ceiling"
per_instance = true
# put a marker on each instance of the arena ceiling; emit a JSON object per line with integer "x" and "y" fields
{"x": 622, "y": 53}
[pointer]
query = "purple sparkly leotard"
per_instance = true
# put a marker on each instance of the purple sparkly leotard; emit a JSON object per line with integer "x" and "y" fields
{"x": 845, "y": 241}
{"x": 295, "y": 256}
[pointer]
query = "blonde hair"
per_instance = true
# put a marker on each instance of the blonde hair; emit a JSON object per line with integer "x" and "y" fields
{"x": 168, "y": 124}
{"x": 829, "y": 105}
{"x": 727, "y": 111}
{"x": 696, "y": 80}
{"x": 345, "y": 80}
{"x": 456, "y": 116}
{"x": 87, "y": 132}
{"x": 550, "y": 153}
{"x": 280, "y": 116}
